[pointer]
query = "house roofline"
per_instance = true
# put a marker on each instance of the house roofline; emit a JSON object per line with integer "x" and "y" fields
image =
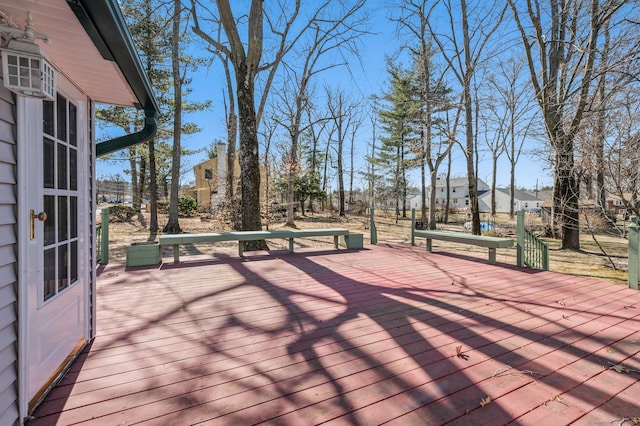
{"x": 105, "y": 25}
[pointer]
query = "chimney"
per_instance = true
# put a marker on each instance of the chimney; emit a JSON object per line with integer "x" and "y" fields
{"x": 222, "y": 167}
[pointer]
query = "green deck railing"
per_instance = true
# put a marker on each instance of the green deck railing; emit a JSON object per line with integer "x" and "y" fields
{"x": 102, "y": 238}
{"x": 98, "y": 242}
{"x": 634, "y": 253}
{"x": 532, "y": 251}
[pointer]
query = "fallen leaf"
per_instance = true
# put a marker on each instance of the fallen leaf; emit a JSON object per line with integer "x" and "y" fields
{"x": 485, "y": 401}
{"x": 565, "y": 317}
{"x": 460, "y": 354}
{"x": 618, "y": 368}
{"x": 558, "y": 399}
{"x": 610, "y": 350}
{"x": 629, "y": 307}
{"x": 560, "y": 302}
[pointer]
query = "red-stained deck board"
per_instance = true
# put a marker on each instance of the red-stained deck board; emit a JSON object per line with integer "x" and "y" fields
{"x": 351, "y": 337}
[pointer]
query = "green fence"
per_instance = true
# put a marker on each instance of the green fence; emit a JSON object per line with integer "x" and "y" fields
{"x": 102, "y": 238}
{"x": 634, "y": 261}
{"x": 532, "y": 251}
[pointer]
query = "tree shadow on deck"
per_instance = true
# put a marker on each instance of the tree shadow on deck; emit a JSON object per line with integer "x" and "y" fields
{"x": 366, "y": 339}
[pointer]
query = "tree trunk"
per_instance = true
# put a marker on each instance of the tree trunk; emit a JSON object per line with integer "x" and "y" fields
{"x": 432, "y": 199}
{"x": 291, "y": 179}
{"x": 249, "y": 159}
{"x": 137, "y": 202}
{"x": 133, "y": 164}
{"x": 173, "y": 225}
{"x": 153, "y": 190}
{"x": 567, "y": 194}
{"x": 468, "y": 111}
{"x": 494, "y": 177}
{"x": 341, "y": 200}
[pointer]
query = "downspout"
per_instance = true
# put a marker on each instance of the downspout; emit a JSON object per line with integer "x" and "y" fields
{"x": 121, "y": 142}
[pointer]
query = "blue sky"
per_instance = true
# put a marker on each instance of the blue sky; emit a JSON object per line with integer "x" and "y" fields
{"x": 362, "y": 79}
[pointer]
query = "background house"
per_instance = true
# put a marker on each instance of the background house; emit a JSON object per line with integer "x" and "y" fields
{"x": 47, "y": 180}
{"x": 211, "y": 179}
{"x": 458, "y": 194}
{"x": 523, "y": 200}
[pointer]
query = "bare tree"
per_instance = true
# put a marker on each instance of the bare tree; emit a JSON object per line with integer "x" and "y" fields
{"x": 463, "y": 57}
{"x": 325, "y": 37}
{"x": 345, "y": 117}
{"x": 508, "y": 118}
{"x": 430, "y": 148}
{"x": 285, "y": 28}
{"x": 561, "y": 44}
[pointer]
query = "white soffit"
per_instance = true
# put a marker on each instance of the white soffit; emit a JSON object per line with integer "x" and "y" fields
{"x": 71, "y": 50}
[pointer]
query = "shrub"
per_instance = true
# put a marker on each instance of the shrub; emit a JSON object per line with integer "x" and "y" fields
{"x": 187, "y": 205}
{"x": 121, "y": 213}
{"x": 163, "y": 206}
{"x": 493, "y": 233}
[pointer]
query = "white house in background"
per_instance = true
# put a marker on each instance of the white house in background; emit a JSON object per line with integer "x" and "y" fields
{"x": 458, "y": 194}
{"x": 522, "y": 201}
{"x": 47, "y": 180}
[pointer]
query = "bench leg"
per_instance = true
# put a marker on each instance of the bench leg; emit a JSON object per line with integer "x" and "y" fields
{"x": 336, "y": 241}
{"x": 291, "y": 245}
{"x": 492, "y": 256}
{"x": 429, "y": 244}
{"x": 240, "y": 248}
{"x": 176, "y": 253}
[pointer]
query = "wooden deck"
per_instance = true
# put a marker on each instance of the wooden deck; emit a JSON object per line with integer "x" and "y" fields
{"x": 388, "y": 334}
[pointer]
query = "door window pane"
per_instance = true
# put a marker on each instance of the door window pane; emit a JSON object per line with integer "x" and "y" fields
{"x": 61, "y": 119}
{"x": 73, "y": 134}
{"x": 48, "y": 163}
{"x": 62, "y": 166}
{"x": 73, "y": 260}
{"x": 49, "y": 273}
{"x": 50, "y": 223}
{"x": 73, "y": 217}
{"x": 47, "y": 118}
{"x": 62, "y": 219}
{"x": 63, "y": 267}
{"x": 73, "y": 169}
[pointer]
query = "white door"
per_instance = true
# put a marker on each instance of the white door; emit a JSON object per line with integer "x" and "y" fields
{"x": 54, "y": 272}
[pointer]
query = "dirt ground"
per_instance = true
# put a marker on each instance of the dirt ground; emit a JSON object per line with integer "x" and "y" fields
{"x": 589, "y": 261}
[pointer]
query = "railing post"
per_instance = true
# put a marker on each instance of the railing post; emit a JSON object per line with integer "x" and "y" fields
{"x": 105, "y": 236}
{"x": 413, "y": 226}
{"x": 634, "y": 261}
{"x": 372, "y": 227}
{"x": 520, "y": 238}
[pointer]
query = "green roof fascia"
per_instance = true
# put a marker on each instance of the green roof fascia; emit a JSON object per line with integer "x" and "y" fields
{"x": 105, "y": 25}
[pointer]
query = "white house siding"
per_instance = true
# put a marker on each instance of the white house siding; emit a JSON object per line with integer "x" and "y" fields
{"x": 8, "y": 262}
{"x": 522, "y": 200}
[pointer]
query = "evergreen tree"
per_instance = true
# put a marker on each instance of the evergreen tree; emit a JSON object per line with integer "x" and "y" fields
{"x": 397, "y": 118}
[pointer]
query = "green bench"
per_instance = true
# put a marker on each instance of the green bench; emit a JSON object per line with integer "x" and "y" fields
{"x": 492, "y": 243}
{"x": 351, "y": 240}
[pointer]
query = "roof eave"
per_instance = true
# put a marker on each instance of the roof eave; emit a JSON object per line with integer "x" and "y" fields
{"x": 105, "y": 25}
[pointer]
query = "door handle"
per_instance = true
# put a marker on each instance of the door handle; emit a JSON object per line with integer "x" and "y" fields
{"x": 42, "y": 216}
